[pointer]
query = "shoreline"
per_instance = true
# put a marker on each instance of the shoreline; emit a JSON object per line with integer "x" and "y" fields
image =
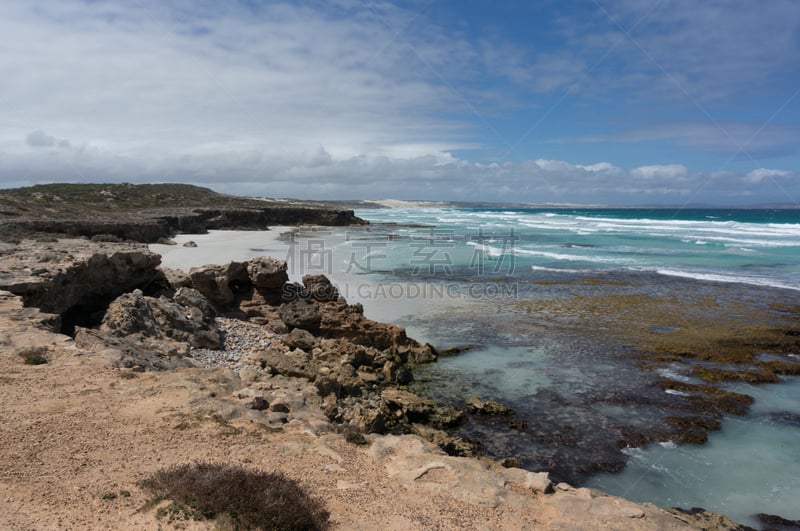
{"x": 111, "y": 402}
{"x": 382, "y": 305}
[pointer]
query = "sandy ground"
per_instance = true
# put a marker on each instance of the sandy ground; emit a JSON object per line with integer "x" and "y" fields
{"x": 222, "y": 246}
{"x": 75, "y": 430}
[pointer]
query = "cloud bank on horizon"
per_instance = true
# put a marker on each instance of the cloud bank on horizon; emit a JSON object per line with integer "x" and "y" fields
{"x": 601, "y": 101}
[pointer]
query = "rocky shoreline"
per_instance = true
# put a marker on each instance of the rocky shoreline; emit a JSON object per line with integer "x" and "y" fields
{"x": 148, "y": 213}
{"x": 283, "y": 356}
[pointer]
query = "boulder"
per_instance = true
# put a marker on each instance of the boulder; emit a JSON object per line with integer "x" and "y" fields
{"x": 267, "y": 273}
{"x": 365, "y": 419}
{"x": 414, "y": 408}
{"x": 319, "y": 287}
{"x": 490, "y": 407}
{"x": 302, "y": 339}
{"x": 300, "y": 314}
{"x": 451, "y": 445}
{"x": 188, "y": 319}
{"x": 446, "y": 417}
{"x": 220, "y": 283}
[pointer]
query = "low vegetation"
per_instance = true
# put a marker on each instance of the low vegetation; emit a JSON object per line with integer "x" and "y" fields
{"x": 34, "y": 355}
{"x": 236, "y": 497}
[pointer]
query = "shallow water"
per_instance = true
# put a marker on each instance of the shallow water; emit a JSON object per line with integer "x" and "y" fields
{"x": 554, "y": 318}
{"x": 751, "y": 466}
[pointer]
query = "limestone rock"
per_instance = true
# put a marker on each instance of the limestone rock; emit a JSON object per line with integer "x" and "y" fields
{"x": 302, "y": 339}
{"x": 187, "y": 319}
{"x": 452, "y": 445}
{"x": 490, "y": 407}
{"x": 177, "y": 278}
{"x": 415, "y": 408}
{"x": 60, "y": 275}
{"x": 319, "y": 287}
{"x": 267, "y": 273}
{"x": 300, "y": 314}
{"x": 538, "y": 482}
{"x": 219, "y": 283}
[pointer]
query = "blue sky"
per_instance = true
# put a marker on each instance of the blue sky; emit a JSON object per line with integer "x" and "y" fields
{"x": 591, "y": 101}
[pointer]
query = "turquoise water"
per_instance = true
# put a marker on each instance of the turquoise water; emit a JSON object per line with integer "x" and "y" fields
{"x": 757, "y": 247}
{"x": 455, "y": 276}
{"x": 574, "y": 391}
{"x": 751, "y": 466}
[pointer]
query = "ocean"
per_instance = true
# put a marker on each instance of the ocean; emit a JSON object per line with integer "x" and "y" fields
{"x": 556, "y": 300}
{"x": 604, "y": 329}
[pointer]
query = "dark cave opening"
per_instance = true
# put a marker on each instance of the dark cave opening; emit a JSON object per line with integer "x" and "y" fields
{"x": 87, "y": 315}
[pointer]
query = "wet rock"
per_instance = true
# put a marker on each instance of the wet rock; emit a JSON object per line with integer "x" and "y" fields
{"x": 510, "y": 462}
{"x": 413, "y": 408}
{"x": 189, "y": 244}
{"x": 446, "y": 417}
{"x": 749, "y": 375}
{"x": 490, "y": 407}
{"x": 452, "y": 445}
{"x": 699, "y": 518}
{"x": 777, "y": 522}
{"x": 788, "y": 418}
{"x": 455, "y": 351}
{"x": 404, "y": 376}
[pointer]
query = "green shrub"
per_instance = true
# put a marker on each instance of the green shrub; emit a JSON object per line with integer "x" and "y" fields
{"x": 34, "y": 355}
{"x": 239, "y": 497}
{"x": 355, "y": 437}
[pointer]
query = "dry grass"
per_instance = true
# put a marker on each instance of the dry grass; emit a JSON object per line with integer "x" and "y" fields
{"x": 235, "y": 496}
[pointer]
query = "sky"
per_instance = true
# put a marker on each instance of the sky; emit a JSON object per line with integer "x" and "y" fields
{"x": 620, "y": 102}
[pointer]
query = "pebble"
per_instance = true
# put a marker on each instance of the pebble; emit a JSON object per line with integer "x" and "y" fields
{"x": 239, "y": 339}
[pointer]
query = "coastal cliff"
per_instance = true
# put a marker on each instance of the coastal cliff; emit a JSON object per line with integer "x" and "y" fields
{"x": 147, "y": 213}
{"x": 142, "y": 367}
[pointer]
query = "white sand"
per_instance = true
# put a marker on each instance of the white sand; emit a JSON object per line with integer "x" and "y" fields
{"x": 399, "y": 203}
{"x": 389, "y": 301}
{"x": 221, "y": 247}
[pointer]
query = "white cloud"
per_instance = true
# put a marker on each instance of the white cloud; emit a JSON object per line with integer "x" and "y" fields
{"x": 439, "y": 176}
{"x": 146, "y": 78}
{"x": 345, "y": 99}
{"x": 758, "y": 175}
{"x": 601, "y": 167}
{"x": 668, "y": 172}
